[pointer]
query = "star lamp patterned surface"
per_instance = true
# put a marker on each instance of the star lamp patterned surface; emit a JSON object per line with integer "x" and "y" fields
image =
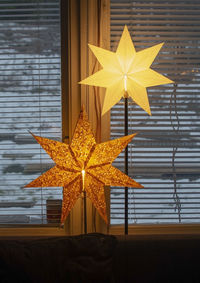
{"x": 83, "y": 165}
{"x": 126, "y": 73}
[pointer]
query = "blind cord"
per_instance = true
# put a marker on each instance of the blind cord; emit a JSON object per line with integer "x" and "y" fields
{"x": 173, "y": 99}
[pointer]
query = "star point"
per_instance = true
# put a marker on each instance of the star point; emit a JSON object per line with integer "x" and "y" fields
{"x": 126, "y": 65}
{"x": 83, "y": 165}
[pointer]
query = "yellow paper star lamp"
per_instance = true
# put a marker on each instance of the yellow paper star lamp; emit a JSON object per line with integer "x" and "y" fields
{"x": 83, "y": 165}
{"x": 126, "y": 73}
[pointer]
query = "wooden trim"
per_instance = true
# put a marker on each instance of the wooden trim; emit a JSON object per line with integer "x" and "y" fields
{"x": 64, "y": 71}
{"x": 171, "y": 229}
{"x": 88, "y": 22}
{"x": 36, "y": 231}
{"x": 95, "y": 29}
{"x": 72, "y": 43}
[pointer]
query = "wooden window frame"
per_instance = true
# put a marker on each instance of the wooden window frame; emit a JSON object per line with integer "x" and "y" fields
{"x": 72, "y": 97}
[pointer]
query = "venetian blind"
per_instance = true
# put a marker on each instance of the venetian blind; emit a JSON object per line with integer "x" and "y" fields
{"x": 30, "y": 100}
{"x": 165, "y": 155}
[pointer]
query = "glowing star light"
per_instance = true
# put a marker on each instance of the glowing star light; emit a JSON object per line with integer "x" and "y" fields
{"x": 126, "y": 72}
{"x": 83, "y": 165}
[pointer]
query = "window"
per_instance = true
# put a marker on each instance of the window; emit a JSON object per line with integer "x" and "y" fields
{"x": 165, "y": 155}
{"x": 30, "y": 97}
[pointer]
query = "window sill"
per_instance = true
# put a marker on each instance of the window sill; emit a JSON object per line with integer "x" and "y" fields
{"x": 170, "y": 229}
{"x": 173, "y": 229}
{"x": 32, "y": 232}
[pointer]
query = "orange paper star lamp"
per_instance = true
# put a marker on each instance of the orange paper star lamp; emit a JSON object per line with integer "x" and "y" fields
{"x": 126, "y": 73}
{"x": 83, "y": 165}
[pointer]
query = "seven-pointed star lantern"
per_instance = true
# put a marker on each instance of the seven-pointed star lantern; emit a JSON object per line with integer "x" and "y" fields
{"x": 83, "y": 165}
{"x": 126, "y": 72}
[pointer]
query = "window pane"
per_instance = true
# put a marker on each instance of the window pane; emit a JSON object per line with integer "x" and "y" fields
{"x": 30, "y": 96}
{"x": 165, "y": 155}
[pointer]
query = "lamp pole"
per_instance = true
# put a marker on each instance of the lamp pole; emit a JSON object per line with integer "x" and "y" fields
{"x": 84, "y": 202}
{"x": 85, "y": 212}
{"x": 126, "y": 164}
